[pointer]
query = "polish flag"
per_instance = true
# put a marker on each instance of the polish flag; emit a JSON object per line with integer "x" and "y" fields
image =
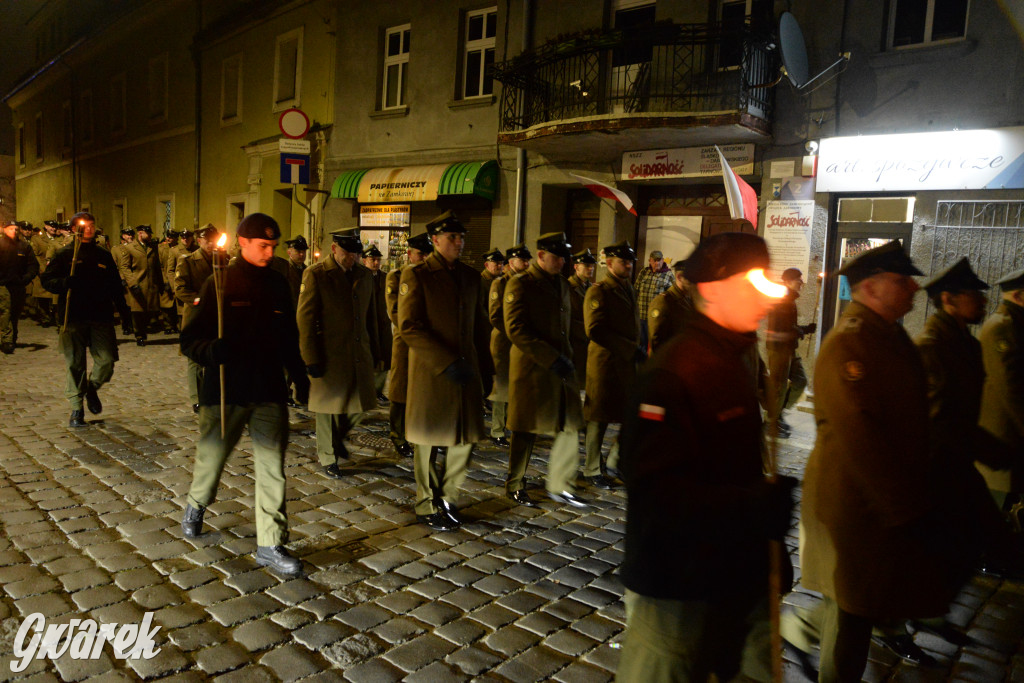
{"x": 741, "y": 196}
{"x": 606, "y": 191}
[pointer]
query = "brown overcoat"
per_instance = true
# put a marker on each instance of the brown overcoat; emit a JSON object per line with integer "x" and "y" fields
{"x": 538, "y": 319}
{"x": 139, "y": 264}
{"x": 399, "y": 381}
{"x": 613, "y": 327}
{"x": 191, "y": 272}
{"x": 1002, "y": 398}
{"x": 171, "y": 273}
{"x": 383, "y": 319}
{"x": 441, "y": 319}
{"x": 667, "y": 314}
{"x": 500, "y": 345}
{"x": 337, "y": 331}
{"x": 578, "y": 331}
{"x": 167, "y": 264}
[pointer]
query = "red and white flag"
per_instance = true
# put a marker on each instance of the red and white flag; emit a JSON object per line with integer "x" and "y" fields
{"x": 606, "y": 191}
{"x": 741, "y": 196}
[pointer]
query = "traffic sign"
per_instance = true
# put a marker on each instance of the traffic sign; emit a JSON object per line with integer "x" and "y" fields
{"x": 295, "y": 169}
{"x": 293, "y": 123}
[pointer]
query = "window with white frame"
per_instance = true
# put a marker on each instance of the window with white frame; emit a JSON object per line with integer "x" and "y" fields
{"x": 481, "y": 27}
{"x": 396, "y": 63}
{"x": 920, "y": 22}
{"x": 288, "y": 70}
{"x": 21, "y": 144}
{"x": 158, "y": 88}
{"x": 39, "y": 136}
{"x": 85, "y": 125}
{"x": 117, "y": 104}
{"x": 231, "y": 89}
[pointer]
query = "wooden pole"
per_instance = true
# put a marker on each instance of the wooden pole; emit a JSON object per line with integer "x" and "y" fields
{"x": 74, "y": 259}
{"x": 218, "y": 285}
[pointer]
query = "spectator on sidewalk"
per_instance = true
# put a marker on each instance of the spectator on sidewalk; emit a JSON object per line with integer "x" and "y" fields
{"x": 786, "y": 377}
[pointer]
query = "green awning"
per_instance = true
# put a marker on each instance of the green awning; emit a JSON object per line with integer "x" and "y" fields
{"x": 347, "y": 184}
{"x": 471, "y": 177}
{"x": 418, "y": 183}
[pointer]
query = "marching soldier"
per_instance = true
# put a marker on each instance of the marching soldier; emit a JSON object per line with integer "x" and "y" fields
{"x": 141, "y": 272}
{"x": 64, "y": 238}
{"x": 419, "y": 247}
{"x": 44, "y": 300}
{"x": 297, "y": 249}
{"x": 786, "y": 375}
{"x": 185, "y": 246}
{"x": 124, "y": 311}
{"x": 26, "y": 232}
{"x": 18, "y": 267}
{"x": 168, "y": 310}
{"x": 337, "y": 336}
{"x": 442, "y": 321}
{"x": 494, "y": 261}
{"x": 371, "y": 259}
{"x": 583, "y": 265}
{"x": 613, "y": 327}
{"x": 544, "y": 397}
{"x": 192, "y": 271}
{"x": 518, "y": 259}
{"x": 670, "y": 310}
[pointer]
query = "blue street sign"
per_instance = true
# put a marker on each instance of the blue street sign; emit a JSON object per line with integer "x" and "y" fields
{"x": 295, "y": 169}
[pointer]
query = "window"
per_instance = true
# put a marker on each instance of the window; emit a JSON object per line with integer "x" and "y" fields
{"x": 85, "y": 117}
{"x": 66, "y": 126}
{"x": 165, "y": 213}
{"x": 39, "y": 136}
{"x": 481, "y": 27}
{"x": 396, "y": 62}
{"x": 158, "y": 88}
{"x": 117, "y": 104}
{"x": 919, "y": 22}
{"x": 288, "y": 70}
{"x": 21, "y": 144}
{"x": 231, "y": 89}
{"x": 630, "y": 19}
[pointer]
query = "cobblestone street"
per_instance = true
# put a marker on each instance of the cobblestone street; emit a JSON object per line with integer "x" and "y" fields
{"x": 91, "y": 530}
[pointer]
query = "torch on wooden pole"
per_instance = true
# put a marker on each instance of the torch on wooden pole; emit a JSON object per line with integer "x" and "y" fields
{"x": 74, "y": 259}
{"x": 219, "y": 263}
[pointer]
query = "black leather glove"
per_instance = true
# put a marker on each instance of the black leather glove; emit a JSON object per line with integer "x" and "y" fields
{"x": 459, "y": 372}
{"x": 810, "y": 328}
{"x": 563, "y": 367}
{"x": 776, "y": 506}
{"x": 316, "y": 370}
{"x": 136, "y": 290}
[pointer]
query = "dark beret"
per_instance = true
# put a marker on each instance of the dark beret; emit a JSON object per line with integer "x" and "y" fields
{"x": 723, "y": 255}
{"x": 258, "y": 226}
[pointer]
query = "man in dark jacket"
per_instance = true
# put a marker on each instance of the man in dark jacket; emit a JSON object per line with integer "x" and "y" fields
{"x": 18, "y": 267}
{"x": 697, "y": 587}
{"x": 260, "y": 340}
{"x": 786, "y": 376}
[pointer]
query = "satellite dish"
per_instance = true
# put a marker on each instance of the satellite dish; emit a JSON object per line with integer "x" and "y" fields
{"x": 794, "y": 53}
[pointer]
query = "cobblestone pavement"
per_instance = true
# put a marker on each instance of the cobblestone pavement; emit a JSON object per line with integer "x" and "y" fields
{"x": 91, "y": 530}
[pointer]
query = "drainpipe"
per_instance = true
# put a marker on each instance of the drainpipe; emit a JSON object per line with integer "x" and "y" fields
{"x": 520, "y": 214}
{"x": 197, "y": 57}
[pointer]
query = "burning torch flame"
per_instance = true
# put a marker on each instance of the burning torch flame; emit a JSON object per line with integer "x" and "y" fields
{"x": 764, "y": 285}
{"x": 222, "y": 240}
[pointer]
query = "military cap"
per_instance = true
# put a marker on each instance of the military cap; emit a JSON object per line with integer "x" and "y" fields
{"x": 518, "y": 251}
{"x": 620, "y": 250}
{"x": 299, "y": 243}
{"x": 23, "y": 225}
{"x": 52, "y": 224}
{"x": 128, "y": 231}
{"x": 556, "y": 243}
{"x": 790, "y": 274}
{"x": 143, "y": 228}
{"x": 172, "y": 234}
{"x": 421, "y": 242}
{"x": 373, "y": 252}
{"x": 446, "y": 222}
{"x": 888, "y": 258}
{"x": 585, "y": 257}
{"x": 349, "y": 240}
{"x": 723, "y": 255}
{"x": 1013, "y": 281}
{"x": 494, "y": 256}
{"x": 956, "y": 278}
{"x": 258, "y": 226}
{"x": 64, "y": 226}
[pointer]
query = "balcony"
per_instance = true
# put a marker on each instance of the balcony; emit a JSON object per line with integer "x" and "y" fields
{"x": 593, "y": 96}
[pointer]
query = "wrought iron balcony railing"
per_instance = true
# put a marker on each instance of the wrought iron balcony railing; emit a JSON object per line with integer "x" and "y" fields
{"x": 698, "y": 69}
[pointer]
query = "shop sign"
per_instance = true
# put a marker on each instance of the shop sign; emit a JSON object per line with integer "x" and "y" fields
{"x": 787, "y": 231}
{"x": 686, "y": 162}
{"x": 401, "y": 184}
{"x": 384, "y": 216}
{"x": 954, "y": 160}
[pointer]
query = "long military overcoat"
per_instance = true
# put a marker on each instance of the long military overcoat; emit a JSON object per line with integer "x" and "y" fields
{"x": 871, "y": 540}
{"x": 441, "y": 319}
{"x": 578, "y": 331}
{"x": 189, "y": 275}
{"x": 171, "y": 272}
{"x": 399, "y": 381}
{"x": 613, "y": 327}
{"x": 500, "y": 345}
{"x": 538, "y": 320}
{"x": 667, "y": 315}
{"x": 383, "y": 319}
{"x": 167, "y": 264}
{"x": 1002, "y": 398}
{"x": 337, "y": 331}
{"x": 139, "y": 264}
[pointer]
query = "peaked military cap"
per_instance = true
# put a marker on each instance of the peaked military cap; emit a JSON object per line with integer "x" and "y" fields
{"x": 259, "y": 226}
{"x": 421, "y": 242}
{"x": 372, "y": 252}
{"x": 518, "y": 251}
{"x": 64, "y": 226}
{"x": 173, "y": 234}
{"x": 22, "y": 225}
{"x": 207, "y": 231}
{"x": 128, "y": 231}
{"x": 143, "y": 228}
{"x": 52, "y": 224}
{"x": 585, "y": 257}
{"x": 349, "y": 240}
{"x": 299, "y": 243}
{"x": 556, "y": 243}
{"x": 1013, "y": 281}
{"x": 723, "y": 255}
{"x": 446, "y": 222}
{"x": 620, "y": 250}
{"x": 956, "y": 278}
{"x": 888, "y": 258}
{"x": 494, "y": 256}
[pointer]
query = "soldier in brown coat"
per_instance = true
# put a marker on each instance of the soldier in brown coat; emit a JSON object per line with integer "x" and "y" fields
{"x": 168, "y": 310}
{"x": 337, "y": 338}
{"x": 185, "y": 246}
{"x": 124, "y": 311}
{"x": 297, "y": 250}
{"x": 41, "y": 243}
{"x": 371, "y": 259}
{"x": 139, "y": 266}
{"x": 191, "y": 272}
{"x": 613, "y": 327}
{"x": 419, "y": 247}
{"x": 442, "y": 321}
{"x": 583, "y": 265}
{"x": 670, "y": 310}
{"x": 544, "y": 397}
{"x": 494, "y": 261}
{"x": 518, "y": 259}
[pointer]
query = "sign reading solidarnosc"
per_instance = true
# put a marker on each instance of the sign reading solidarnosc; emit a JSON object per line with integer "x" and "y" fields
{"x": 686, "y": 162}
{"x": 787, "y": 232}
{"x": 954, "y": 160}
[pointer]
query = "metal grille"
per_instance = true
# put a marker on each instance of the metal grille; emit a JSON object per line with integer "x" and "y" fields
{"x": 168, "y": 223}
{"x": 990, "y": 234}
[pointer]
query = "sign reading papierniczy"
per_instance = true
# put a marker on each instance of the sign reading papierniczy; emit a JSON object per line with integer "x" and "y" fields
{"x": 686, "y": 162}
{"x": 954, "y": 160}
{"x": 401, "y": 184}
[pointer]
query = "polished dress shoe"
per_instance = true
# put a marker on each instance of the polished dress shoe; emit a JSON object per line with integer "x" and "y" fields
{"x": 277, "y": 558}
{"x": 601, "y": 482}
{"x": 195, "y": 408}
{"x": 77, "y": 418}
{"x": 522, "y": 498}
{"x": 568, "y": 499}
{"x": 192, "y": 522}
{"x": 906, "y": 648}
{"x": 403, "y": 449}
{"x": 499, "y": 441}
{"x": 92, "y": 399}
{"x": 140, "y": 342}
{"x": 333, "y": 471}
{"x": 438, "y": 521}
{"x": 449, "y": 509}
